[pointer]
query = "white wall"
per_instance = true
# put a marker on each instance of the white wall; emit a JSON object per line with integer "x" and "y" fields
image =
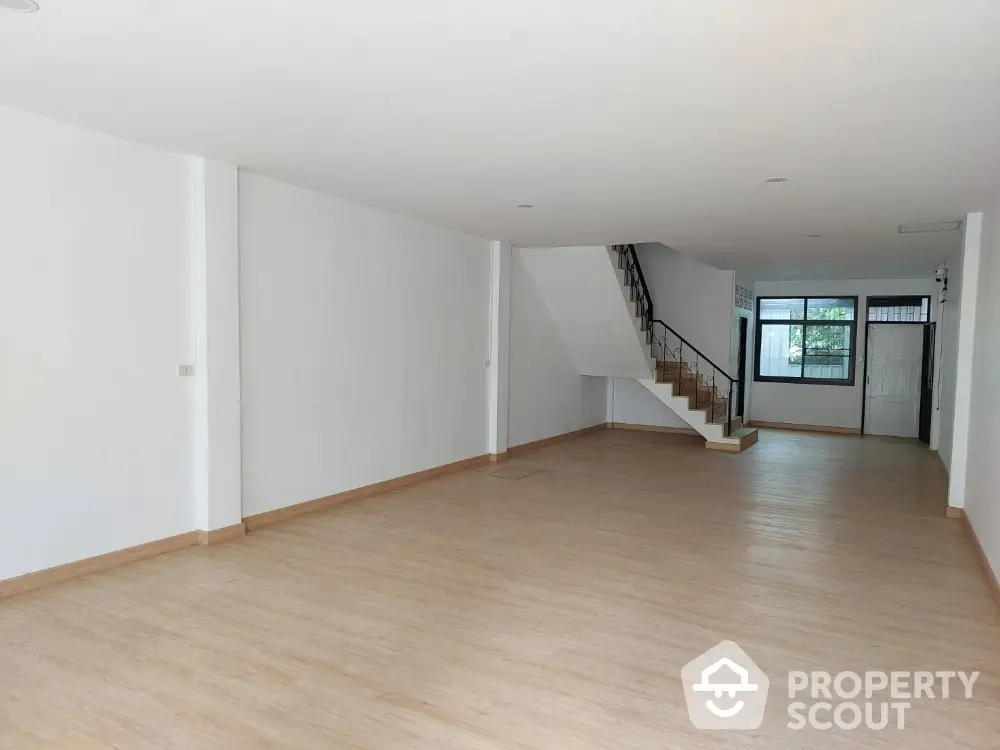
{"x": 216, "y": 324}
{"x": 364, "y": 340}
{"x": 95, "y": 433}
{"x": 982, "y": 501}
{"x": 693, "y": 298}
{"x": 825, "y": 405}
{"x": 499, "y": 339}
{"x": 581, "y": 289}
{"x": 949, "y": 316}
{"x": 968, "y": 326}
{"x": 547, "y": 394}
{"x": 629, "y": 402}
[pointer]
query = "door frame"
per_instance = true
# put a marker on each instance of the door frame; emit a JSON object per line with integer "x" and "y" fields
{"x": 743, "y": 339}
{"x": 927, "y": 376}
{"x": 868, "y": 324}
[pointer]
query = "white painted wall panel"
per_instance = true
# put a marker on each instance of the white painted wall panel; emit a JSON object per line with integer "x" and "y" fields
{"x": 547, "y": 394}
{"x": 632, "y": 403}
{"x": 95, "y": 433}
{"x": 364, "y": 341}
{"x": 944, "y": 400}
{"x": 584, "y": 297}
{"x": 982, "y": 499}
{"x": 693, "y": 298}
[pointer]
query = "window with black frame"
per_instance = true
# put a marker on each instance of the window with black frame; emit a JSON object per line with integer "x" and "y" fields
{"x": 806, "y": 340}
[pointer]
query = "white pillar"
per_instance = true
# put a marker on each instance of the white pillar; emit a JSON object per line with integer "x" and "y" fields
{"x": 939, "y": 317}
{"x": 966, "y": 344}
{"x": 216, "y": 318}
{"x": 498, "y": 361}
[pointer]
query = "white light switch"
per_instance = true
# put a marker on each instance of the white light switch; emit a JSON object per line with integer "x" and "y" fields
{"x": 185, "y": 371}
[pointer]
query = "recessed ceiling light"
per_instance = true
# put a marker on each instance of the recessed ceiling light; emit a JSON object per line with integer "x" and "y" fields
{"x": 776, "y": 179}
{"x": 525, "y": 205}
{"x": 19, "y": 6}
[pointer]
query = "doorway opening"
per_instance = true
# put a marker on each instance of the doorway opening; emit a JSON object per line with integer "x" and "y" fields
{"x": 899, "y": 368}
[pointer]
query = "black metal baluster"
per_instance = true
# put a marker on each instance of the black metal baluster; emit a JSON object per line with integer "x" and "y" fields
{"x": 697, "y": 378}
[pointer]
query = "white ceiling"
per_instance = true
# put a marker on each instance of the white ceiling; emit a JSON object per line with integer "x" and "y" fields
{"x": 621, "y": 120}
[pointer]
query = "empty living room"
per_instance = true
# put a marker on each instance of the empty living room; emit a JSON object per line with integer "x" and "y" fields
{"x": 524, "y": 376}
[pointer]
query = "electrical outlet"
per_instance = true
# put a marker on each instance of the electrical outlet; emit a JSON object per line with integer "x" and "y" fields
{"x": 185, "y": 371}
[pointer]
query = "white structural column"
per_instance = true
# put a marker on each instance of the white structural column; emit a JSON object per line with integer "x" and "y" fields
{"x": 966, "y": 344}
{"x": 216, "y": 320}
{"x": 499, "y": 351}
{"x": 939, "y": 317}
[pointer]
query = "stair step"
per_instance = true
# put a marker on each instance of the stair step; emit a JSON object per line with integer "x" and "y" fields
{"x": 737, "y": 442}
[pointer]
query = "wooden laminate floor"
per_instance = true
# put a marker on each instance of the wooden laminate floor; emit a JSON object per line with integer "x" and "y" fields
{"x": 551, "y": 605}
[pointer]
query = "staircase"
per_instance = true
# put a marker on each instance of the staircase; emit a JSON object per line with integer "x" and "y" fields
{"x": 694, "y": 387}
{"x": 600, "y": 303}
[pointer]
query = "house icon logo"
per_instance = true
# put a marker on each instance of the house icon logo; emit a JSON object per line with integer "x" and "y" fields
{"x": 724, "y": 689}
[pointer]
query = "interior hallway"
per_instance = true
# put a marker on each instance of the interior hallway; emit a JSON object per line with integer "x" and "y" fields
{"x": 549, "y": 605}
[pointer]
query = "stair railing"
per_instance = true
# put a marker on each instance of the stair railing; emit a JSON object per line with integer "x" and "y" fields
{"x": 628, "y": 261}
{"x": 673, "y": 352}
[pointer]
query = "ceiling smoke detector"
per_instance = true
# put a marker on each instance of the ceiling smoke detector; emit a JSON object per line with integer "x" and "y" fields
{"x": 19, "y": 6}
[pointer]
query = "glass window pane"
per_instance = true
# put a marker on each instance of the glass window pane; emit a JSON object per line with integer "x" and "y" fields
{"x": 781, "y": 350}
{"x": 782, "y": 309}
{"x": 889, "y": 312}
{"x": 827, "y": 352}
{"x": 832, "y": 308}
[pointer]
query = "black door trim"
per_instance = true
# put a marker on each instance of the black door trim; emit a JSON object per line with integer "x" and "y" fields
{"x": 868, "y": 324}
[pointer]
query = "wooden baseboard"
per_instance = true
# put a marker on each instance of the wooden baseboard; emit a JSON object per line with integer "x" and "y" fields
{"x": 805, "y": 427}
{"x": 217, "y": 536}
{"x": 953, "y": 512}
{"x": 984, "y": 562}
{"x": 93, "y": 564}
{"x": 109, "y": 560}
{"x": 519, "y": 449}
{"x": 269, "y": 517}
{"x": 653, "y": 428}
{"x": 497, "y": 458}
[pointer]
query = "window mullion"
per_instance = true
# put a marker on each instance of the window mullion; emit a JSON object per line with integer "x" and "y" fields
{"x": 805, "y": 338}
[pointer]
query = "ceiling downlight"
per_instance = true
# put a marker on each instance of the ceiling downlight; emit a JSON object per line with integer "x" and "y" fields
{"x": 19, "y": 6}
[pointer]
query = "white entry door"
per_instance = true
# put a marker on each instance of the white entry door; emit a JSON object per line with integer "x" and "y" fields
{"x": 895, "y": 359}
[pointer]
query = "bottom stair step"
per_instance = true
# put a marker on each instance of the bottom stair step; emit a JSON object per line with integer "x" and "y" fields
{"x": 737, "y": 442}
